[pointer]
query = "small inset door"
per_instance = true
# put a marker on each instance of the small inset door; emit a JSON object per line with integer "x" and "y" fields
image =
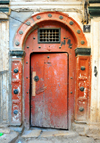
{"x": 49, "y": 81}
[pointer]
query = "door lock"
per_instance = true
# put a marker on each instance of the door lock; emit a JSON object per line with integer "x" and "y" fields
{"x": 36, "y": 78}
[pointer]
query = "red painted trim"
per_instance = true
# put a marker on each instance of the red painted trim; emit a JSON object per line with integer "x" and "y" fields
{"x": 34, "y": 22}
{"x": 82, "y": 80}
{"x": 24, "y": 41}
{"x": 16, "y": 82}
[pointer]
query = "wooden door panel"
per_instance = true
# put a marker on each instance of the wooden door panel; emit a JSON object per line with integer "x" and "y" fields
{"x": 49, "y": 105}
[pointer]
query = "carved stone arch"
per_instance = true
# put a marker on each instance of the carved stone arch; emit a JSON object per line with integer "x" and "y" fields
{"x": 34, "y": 21}
{"x": 78, "y": 65}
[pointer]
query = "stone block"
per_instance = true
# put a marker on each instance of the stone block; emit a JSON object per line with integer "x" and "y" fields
{"x": 5, "y": 130}
{"x": 31, "y": 133}
{"x": 9, "y": 138}
{"x": 57, "y": 133}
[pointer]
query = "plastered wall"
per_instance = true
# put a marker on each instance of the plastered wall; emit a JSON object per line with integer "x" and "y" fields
{"x": 21, "y": 10}
{"x": 4, "y": 71}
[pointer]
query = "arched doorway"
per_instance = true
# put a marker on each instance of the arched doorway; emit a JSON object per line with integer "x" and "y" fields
{"x": 49, "y": 40}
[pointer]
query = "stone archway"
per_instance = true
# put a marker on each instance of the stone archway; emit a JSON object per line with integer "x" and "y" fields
{"x": 79, "y": 66}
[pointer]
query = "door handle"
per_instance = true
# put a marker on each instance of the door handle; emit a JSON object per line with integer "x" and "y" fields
{"x": 36, "y": 78}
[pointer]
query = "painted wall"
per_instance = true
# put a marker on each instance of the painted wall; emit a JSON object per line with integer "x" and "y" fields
{"x": 21, "y": 10}
{"x": 95, "y": 84}
{"x": 4, "y": 71}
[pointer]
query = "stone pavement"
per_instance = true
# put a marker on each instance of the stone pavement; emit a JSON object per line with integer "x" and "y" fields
{"x": 38, "y": 135}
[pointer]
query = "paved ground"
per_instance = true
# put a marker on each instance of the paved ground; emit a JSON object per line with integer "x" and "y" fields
{"x": 53, "y": 136}
{"x": 78, "y": 139}
{"x": 36, "y": 135}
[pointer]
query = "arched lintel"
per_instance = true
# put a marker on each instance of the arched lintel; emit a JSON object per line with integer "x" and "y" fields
{"x": 33, "y": 23}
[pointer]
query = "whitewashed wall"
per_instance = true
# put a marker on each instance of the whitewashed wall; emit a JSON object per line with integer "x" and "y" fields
{"x": 4, "y": 73}
{"x": 74, "y": 9}
{"x": 95, "y": 84}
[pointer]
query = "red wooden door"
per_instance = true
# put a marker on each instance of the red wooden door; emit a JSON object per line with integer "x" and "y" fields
{"x": 49, "y": 80}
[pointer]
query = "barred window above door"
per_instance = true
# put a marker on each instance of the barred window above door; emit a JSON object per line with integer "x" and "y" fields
{"x": 49, "y": 35}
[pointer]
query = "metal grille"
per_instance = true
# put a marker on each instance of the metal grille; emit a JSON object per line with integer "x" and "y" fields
{"x": 49, "y": 35}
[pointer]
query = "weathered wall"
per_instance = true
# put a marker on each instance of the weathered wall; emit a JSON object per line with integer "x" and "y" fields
{"x": 45, "y": 0}
{"x": 95, "y": 89}
{"x": 4, "y": 71}
{"x": 23, "y": 10}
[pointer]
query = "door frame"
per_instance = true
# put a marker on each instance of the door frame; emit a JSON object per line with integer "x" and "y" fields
{"x": 67, "y": 80}
{"x": 80, "y": 43}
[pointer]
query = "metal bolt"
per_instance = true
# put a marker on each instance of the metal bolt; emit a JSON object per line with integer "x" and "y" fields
{"x": 82, "y": 42}
{"x": 82, "y": 88}
{"x": 15, "y": 70}
{"x": 39, "y": 47}
{"x": 16, "y": 91}
{"x": 27, "y": 92}
{"x": 38, "y": 17}
{"x": 48, "y": 57}
{"x": 17, "y": 43}
{"x": 50, "y": 15}
{"x": 61, "y": 17}
{"x": 28, "y": 23}
{"x": 70, "y": 47}
{"x": 26, "y": 62}
{"x": 78, "y": 31}
{"x": 82, "y": 68}
{"x": 71, "y": 92}
{"x": 59, "y": 47}
{"x": 71, "y": 22}
{"x": 27, "y": 47}
{"x": 81, "y": 109}
{"x": 71, "y": 77}
{"x": 33, "y": 37}
{"x": 20, "y": 32}
{"x": 15, "y": 112}
{"x": 36, "y": 78}
{"x": 27, "y": 77}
